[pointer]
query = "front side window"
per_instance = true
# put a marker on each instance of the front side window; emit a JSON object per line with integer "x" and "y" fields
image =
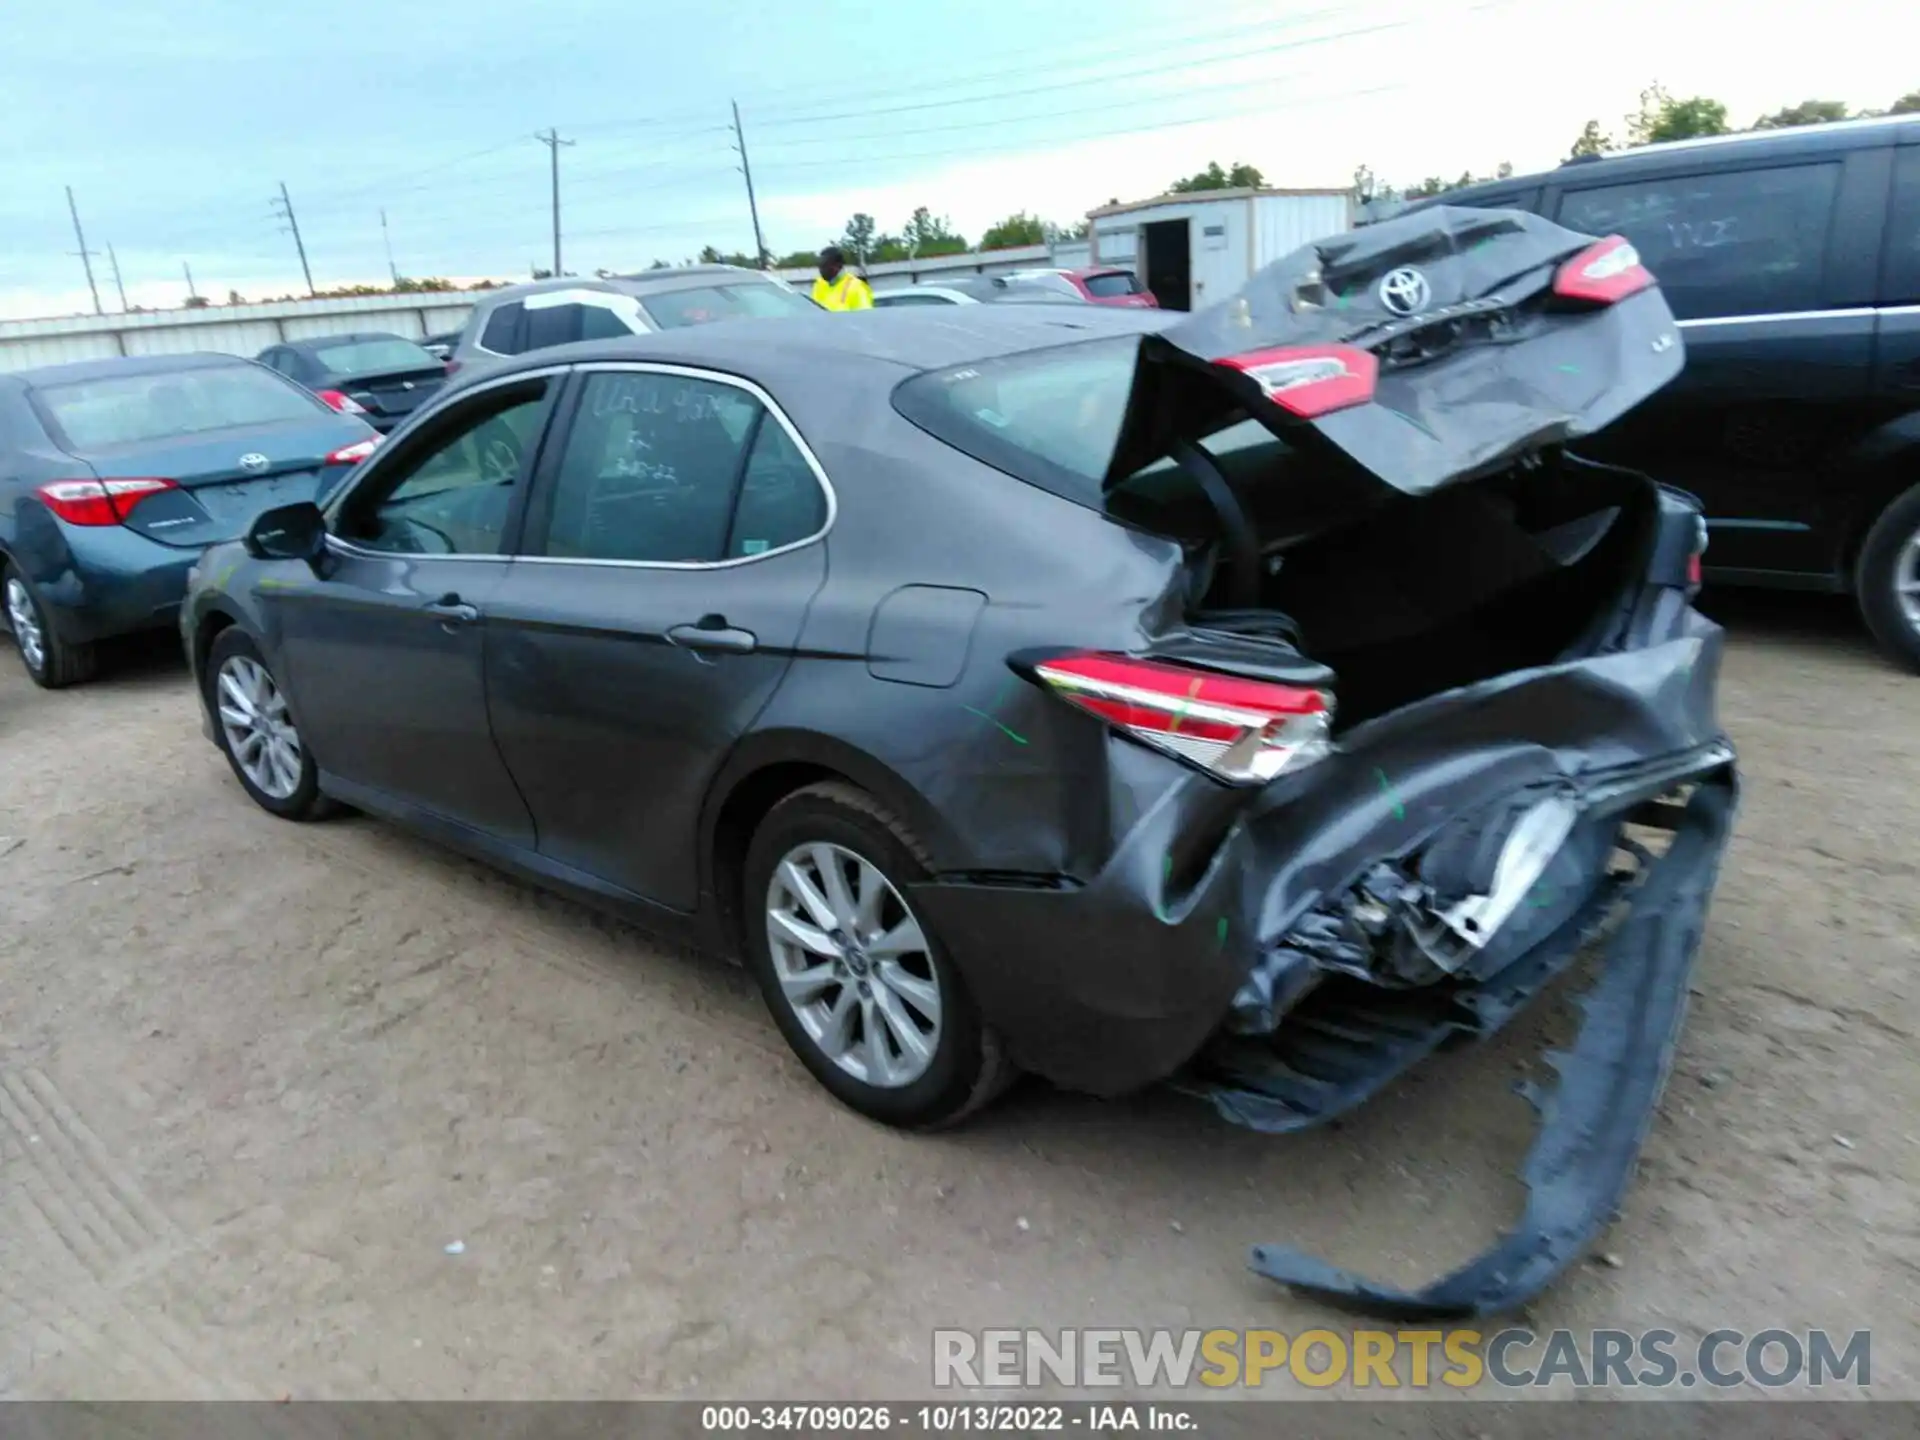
{"x": 598, "y": 322}
{"x": 451, "y": 493}
{"x": 1741, "y": 242}
{"x": 653, "y": 466}
{"x": 169, "y": 404}
{"x": 1115, "y": 282}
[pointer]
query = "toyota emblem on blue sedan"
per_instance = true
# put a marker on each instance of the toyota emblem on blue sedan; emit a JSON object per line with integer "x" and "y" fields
{"x": 253, "y": 462}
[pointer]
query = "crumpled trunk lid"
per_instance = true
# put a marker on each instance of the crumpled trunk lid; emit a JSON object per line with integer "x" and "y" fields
{"x": 1480, "y": 360}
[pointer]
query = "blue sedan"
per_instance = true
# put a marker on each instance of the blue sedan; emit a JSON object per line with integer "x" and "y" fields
{"x": 116, "y": 474}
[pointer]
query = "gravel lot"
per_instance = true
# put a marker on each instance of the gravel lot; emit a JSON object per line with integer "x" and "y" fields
{"x": 256, "y": 1078}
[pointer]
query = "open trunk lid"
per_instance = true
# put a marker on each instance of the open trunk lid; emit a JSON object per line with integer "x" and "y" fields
{"x": 1425, "y": 350}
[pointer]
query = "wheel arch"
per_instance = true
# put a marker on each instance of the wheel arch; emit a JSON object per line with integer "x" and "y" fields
{"x": 762, "y": 771}
{"x": 1882, "y": 466}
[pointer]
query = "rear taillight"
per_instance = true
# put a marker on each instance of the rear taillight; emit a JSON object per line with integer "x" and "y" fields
{"x": 353, "y": 454}
{"x": 1310, "y": 380}
{"x": 98, "y": 502}
{"x": 1239, "y": 730}
{"x": 345, "y": 404}
{"x": 1603, "y": 273}
{"x": 1695, "y": 578}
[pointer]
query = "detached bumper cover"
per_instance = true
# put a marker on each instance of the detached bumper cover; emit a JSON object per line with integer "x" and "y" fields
{"x": 1610, "y": 1082}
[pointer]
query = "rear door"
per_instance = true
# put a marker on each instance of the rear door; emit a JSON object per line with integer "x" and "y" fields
{"x": 1897, "y": 376}
{"x": 384, "y": 647}
{"x": 670, "y": 555}
{"x": 1764, "y": 266}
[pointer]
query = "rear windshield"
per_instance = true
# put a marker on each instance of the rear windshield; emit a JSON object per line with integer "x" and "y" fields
{"x": 127, "y": 409}
{"x": 673, "y": 309}
{"x": 1116, "y": 282}
{"x": 361, "y": 357}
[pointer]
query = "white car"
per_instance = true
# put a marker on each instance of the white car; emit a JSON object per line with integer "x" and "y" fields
{"x": 974, "y": 290}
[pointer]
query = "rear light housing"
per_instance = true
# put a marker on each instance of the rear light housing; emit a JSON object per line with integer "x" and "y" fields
{"x": 1242, "y": 731}
{"x": 99, "y": 502}
{"x": 1603, "y": 273}
{"x": 353, "y": 454}
{"x": 344, "y": 403}
{"x": 1695, "y": 577}
{"x": 1310, "y": 380}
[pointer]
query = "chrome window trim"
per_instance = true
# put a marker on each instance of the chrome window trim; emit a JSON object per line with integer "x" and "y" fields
{"x": 738, "y": 382}
{"x": 332, "y": 508}
{"x": 1857, "y": 312}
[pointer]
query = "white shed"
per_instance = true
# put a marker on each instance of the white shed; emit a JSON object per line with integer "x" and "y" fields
{"x": 1191, "y": 250}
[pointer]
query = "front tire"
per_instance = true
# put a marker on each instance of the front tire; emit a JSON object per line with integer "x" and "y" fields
{"x": 1887, "y": 579}
{"x": 52, "y": 663}
{"x": 256, "y": 732}
{"x": 864, "y": 994}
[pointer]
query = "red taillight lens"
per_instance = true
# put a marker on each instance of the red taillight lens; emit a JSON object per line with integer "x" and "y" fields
{"x": 98, "y": 502}
{"x": 1310, "y": 380}
{"x": 353, "y": 454}
{"x": 1603, "y": 273}
{"x": 345, "y": 404}
{"x": 1240, "y": 730}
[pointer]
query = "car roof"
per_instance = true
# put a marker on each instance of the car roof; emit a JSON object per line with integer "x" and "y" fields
{"x": 882, "y": 341}
{"x": 646, "y": 282}
{"x": 1833, "y": 137}
{"x": 81, "y": 370}
{"x": 313, "y": 341}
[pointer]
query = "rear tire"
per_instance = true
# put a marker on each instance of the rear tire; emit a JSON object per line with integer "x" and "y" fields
{"x": 52, "y": 663}
{"x": 255, "y": 731}
{"x": 887, "y": 1026}
{"x": 1887, "y": 579}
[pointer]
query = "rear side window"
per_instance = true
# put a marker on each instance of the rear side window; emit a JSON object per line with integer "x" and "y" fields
{"x": 1742, "y": 242}
{"x": 502, "y": 333}
{"x": 599, "y": 323}
{"x": 1105, "y": 286}
{"x": 128, "y": 409}
{"x": 673, "y": 309}
{"x": 1902, "y": 282}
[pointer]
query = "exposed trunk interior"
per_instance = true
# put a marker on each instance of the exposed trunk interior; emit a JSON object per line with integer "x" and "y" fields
{"x": 1406, "y": 597}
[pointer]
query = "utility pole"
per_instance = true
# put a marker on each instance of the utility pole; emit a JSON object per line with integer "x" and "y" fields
{"x": 387, "y": 240}
{"x": 116, "y": 277}
{"x": 553, "y": 142}
{"x": 283, "y": 207}
{"x": 86, "y": 255}
{"x": 753, "y": 207}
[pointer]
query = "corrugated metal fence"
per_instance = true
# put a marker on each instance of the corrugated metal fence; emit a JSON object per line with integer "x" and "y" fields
{"x": 236, "y": 329}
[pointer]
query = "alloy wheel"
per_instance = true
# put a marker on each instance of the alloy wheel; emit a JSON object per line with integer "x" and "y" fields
{"x": 1906, "y": 580}
{"x": 259, "y": 731}
{"x": 24, "y": 620}
{"x": 853, "y": 963}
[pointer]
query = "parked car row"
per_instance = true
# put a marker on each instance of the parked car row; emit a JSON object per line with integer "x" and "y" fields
{"x": 1100, "y": 285}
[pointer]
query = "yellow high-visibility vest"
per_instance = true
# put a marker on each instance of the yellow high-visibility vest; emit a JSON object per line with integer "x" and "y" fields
{"x": 847, "y": 291}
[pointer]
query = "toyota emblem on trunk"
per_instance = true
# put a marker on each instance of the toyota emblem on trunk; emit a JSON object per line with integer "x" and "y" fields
{"x": 1405, "y": 291}
{"x": 253, "y": 462}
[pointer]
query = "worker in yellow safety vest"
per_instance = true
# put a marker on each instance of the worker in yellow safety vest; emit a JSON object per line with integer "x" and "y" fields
{"x": 838, "y": 288}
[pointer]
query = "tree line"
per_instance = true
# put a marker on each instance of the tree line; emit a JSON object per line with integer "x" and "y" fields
{"x": 1660, "y": 117}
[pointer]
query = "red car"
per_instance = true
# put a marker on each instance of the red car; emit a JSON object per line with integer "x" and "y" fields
{"x": 1096, "y": 284}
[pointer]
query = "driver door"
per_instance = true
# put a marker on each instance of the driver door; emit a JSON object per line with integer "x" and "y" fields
{"x": 383, "y": 649}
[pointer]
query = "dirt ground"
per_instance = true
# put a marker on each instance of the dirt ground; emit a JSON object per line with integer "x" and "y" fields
{"x": 257, "y": 1078}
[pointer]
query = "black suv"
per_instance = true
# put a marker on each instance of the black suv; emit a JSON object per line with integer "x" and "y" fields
{"x": 1792, "y": 259}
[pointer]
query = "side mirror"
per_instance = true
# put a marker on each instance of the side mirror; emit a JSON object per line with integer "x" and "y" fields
{"x": 288, "y": 532}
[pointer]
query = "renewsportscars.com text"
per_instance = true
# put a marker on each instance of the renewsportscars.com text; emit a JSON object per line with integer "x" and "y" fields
{"x": 1459, "y": 1359}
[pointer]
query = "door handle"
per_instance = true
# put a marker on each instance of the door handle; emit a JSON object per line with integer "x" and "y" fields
{"x": 452, "y": 610}
{"x": 713, "y": 633}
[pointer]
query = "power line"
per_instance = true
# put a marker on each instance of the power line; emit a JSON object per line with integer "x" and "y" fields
{"x": 283, "y": 207}
{"x": 553, "y": 142}
{"x": 86, "y": 255}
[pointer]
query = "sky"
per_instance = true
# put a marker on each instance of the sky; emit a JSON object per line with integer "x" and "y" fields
{"x": 175, "y": 121}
